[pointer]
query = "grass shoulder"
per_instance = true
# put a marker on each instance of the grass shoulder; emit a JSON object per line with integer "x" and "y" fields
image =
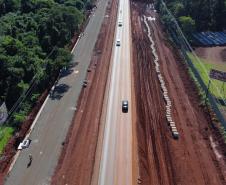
{"x": 5, "y": 134}
{"x": 217, "y": 88}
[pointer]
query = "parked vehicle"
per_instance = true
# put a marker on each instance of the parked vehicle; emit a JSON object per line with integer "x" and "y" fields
{"x": 24, "y": 144}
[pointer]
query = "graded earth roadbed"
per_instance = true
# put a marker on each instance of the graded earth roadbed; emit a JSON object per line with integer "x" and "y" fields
{"x": 163, "y": 160}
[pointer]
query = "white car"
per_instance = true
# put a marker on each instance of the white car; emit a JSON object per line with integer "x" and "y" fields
{"x": 24, "y": 144}
{"x": 118, "y": 43}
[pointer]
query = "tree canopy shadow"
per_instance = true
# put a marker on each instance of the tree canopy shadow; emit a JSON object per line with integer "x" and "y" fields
{"x": 59, "y": 91}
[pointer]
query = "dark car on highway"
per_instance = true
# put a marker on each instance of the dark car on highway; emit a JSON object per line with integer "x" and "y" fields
{"x": 125, "y": 105}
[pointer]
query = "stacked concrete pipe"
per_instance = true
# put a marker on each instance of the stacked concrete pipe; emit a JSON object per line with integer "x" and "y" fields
{"x": 165, "y": 94}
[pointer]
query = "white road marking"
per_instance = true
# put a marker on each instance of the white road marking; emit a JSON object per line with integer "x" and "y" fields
{"x": 76, "y": 71}
{"x": 116, "y": 159}
{"x": 73, "y": 108}
{"x": 75, "y": 44}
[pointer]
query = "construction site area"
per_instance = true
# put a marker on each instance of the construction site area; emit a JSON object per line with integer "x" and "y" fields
{"x": 196, "y": 157}
{"x": 166, "y": 138}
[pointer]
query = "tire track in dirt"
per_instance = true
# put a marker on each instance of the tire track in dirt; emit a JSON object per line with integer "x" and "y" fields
{"x": 190, "y": 160}
{"x": 182, "y": 104}
{"x": 155, "y": 168}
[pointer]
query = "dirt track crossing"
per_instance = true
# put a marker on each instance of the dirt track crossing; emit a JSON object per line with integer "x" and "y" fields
{"x": 163, "y": 160}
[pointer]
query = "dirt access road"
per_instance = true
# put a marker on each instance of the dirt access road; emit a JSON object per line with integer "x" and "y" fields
{"x": 76, "y": 165}
{"x": 163, "y": 160}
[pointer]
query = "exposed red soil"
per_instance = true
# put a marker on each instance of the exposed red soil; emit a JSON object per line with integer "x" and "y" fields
{"x": 163, "y": 160}
{"x": 76, "y": 164}
{"x": 135, "y": 166}
{"x": 214, "y": 55}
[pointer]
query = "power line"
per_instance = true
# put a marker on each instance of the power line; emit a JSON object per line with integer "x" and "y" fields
{"x": 24, "y": 95}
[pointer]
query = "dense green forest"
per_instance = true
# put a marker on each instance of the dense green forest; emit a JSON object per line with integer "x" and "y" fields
{"x": 34, "y": 35}
{"x": 199, "y": 15}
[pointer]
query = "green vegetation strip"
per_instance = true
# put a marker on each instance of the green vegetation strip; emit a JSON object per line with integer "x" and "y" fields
{"x": 204, "y": 68}
{"x": 5, "y": 133}
{"x": 35, "y": 37}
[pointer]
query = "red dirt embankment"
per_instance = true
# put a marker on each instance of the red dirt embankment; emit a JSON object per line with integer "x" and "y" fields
{"x": 76, "y": 164}
{"x": 163, "y": 160}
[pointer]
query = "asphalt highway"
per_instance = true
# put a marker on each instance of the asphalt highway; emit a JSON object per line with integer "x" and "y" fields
{"x": 52, "y": 125}
{"x": 116, "y": 158}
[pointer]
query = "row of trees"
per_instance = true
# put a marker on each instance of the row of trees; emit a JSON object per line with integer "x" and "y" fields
{"x": 199, "y": 15}
{"x": 31, "y": 30}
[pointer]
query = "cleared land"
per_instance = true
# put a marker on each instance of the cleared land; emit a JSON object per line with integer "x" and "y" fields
{"x": 196, "y": 158}
{"x": 162, "y": 160}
